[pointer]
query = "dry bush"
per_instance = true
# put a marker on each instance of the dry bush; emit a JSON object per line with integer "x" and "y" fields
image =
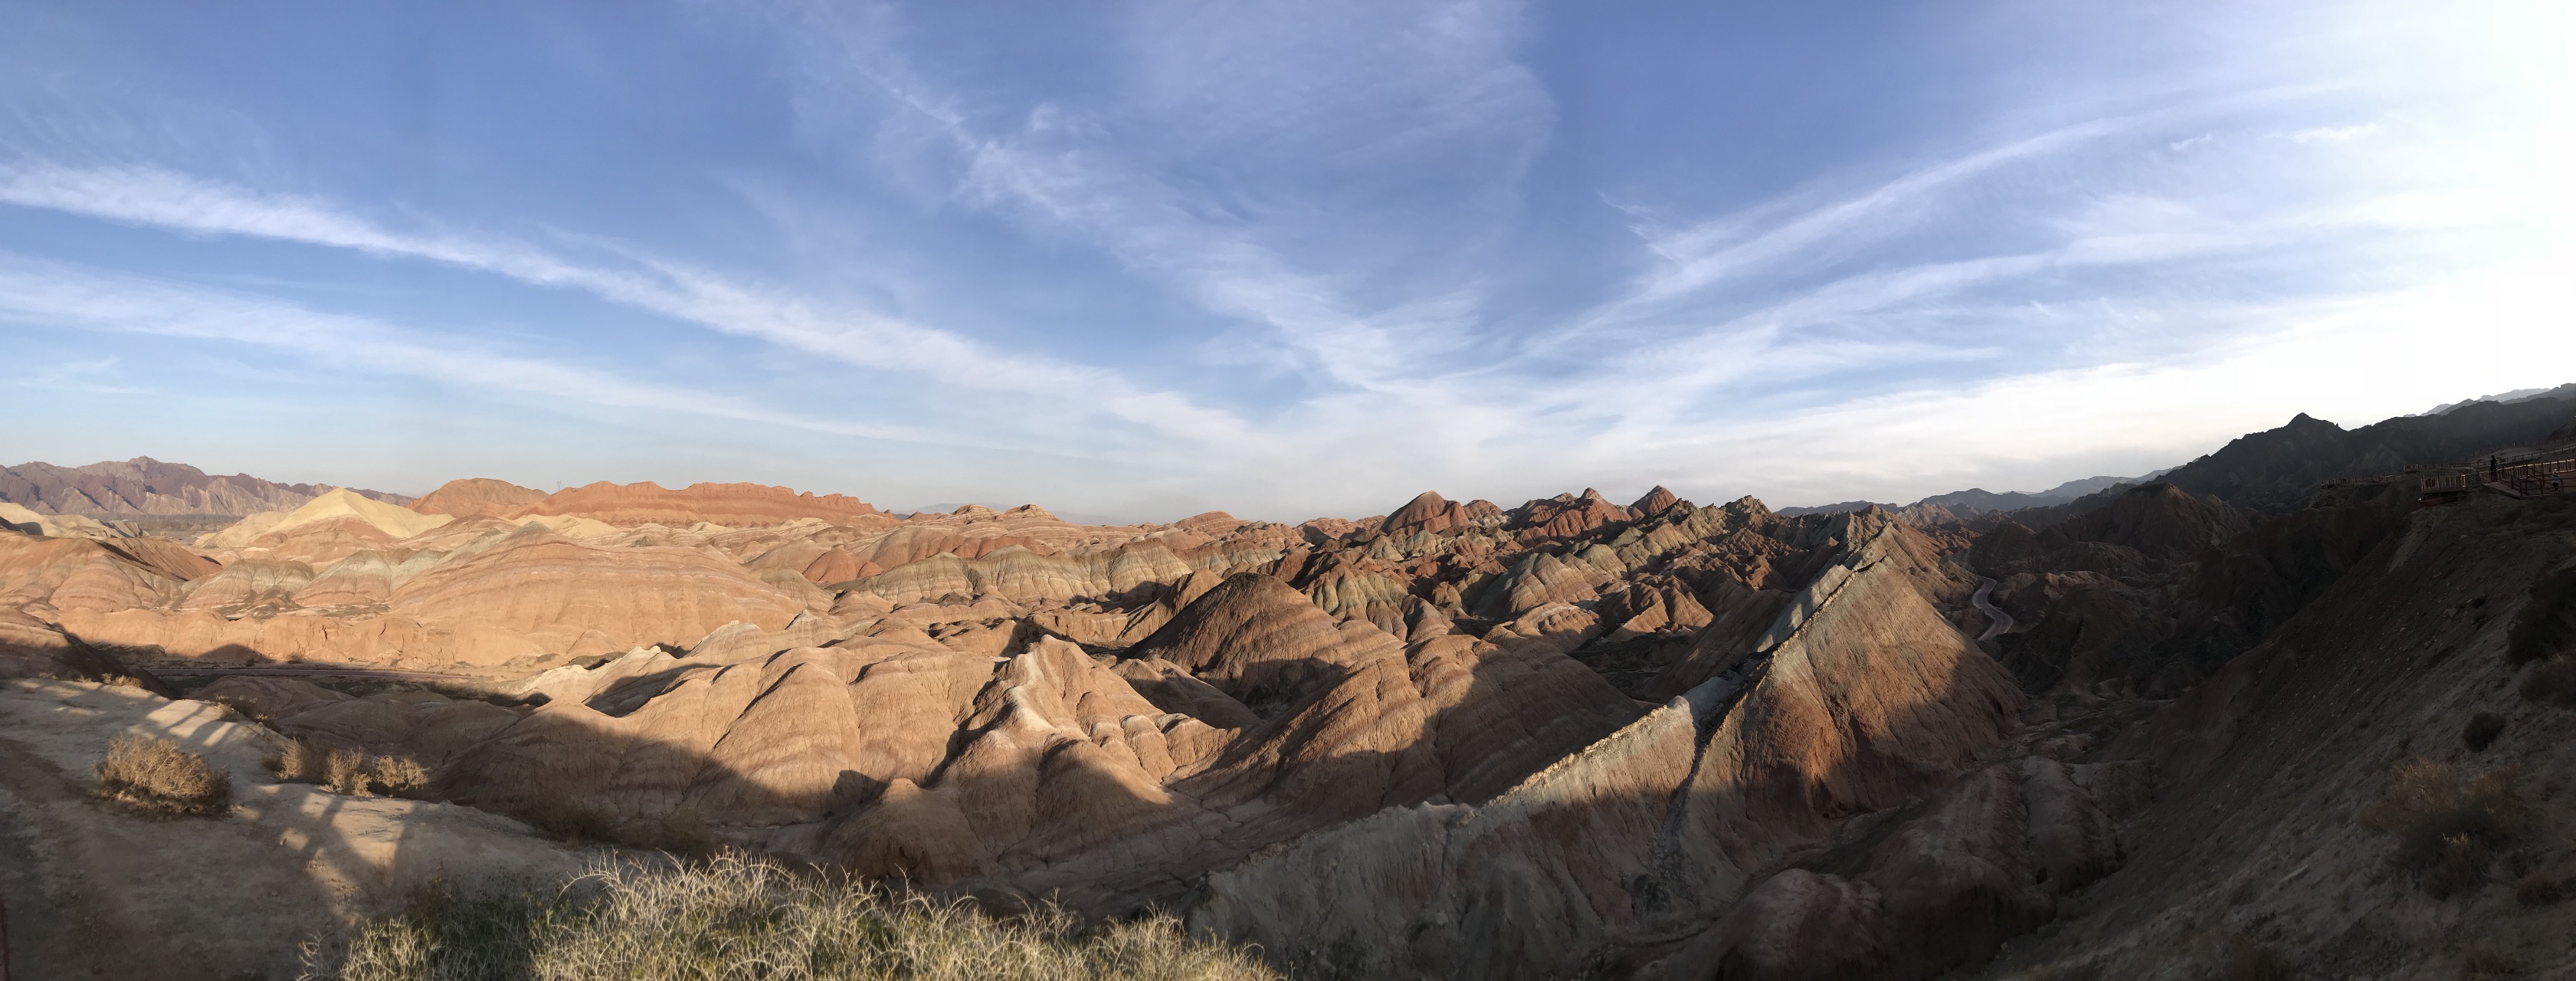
{"x": 350, "y": 771}
{"x": 2447, "y": 832}
{"x": 2481, "y": 732}
{"x": 741, "y": 918}
{"x": 346, "y": 771}
{"x": 2553, "y": 682}
{"x": 2247, "y": 960}
{"x": 2487, "y": 961}
{"x": 398, "y": 776}
{"x": 2537, "y": 891}
{"x": 2547, "y": 623}
{"x": 299, "y": 762}
{"x": 157, "y": 777}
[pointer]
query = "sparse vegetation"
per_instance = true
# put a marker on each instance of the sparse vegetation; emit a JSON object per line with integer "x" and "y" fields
{"x": 157, "y": 777}
{"x": 2448, "y": 832}
{"x": 733, "y": 917}
{"x": 2547, "y": 624}
{"x": 299, "y": 762}
{"x": 349, "y": 771}
{"x": 345, "y": 771}
{"x": 2481, "y": 732}
{"x": 2484, "y": 961}
{"x": 2536, "y": 891}
{"x": 2553, "y": 682}
{"x": 2247, "y": 960}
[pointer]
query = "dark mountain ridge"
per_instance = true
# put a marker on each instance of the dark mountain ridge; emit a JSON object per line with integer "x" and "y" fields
{"x": 143, "y": 485}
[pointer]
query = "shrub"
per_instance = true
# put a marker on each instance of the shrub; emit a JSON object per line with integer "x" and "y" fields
{"x": 2547, "y": 623}
{"x": 2447, "y": 833}
{"x": 733, "y": 917}
{"x": 2484, "y": 960}
{"x": 2481, "y": 732}
{"x": 157, "y": 777}
{"x": 349, "y": 771}
{"x": 2247, "y": 960}
{"x": 2536, "y": 891}
{"x": 346, "y": 771}
{"x": 2552, "y": 683}
{"x": 299, "y": 762}
{"x": 398, "y": 776}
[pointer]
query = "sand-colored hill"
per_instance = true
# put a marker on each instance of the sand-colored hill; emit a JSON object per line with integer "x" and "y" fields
{"x": 391, "y": 521}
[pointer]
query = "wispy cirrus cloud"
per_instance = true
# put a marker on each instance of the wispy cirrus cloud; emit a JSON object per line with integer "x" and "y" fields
{"x": 46, "y": 294}
{"x": 167, "y": 199}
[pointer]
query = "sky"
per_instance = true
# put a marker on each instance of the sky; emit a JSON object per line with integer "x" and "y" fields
{"x": 1284, "y": 259}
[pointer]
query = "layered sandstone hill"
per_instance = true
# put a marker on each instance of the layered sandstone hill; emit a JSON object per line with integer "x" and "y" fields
{"x": 477, "y": 497}
{"x": 731, "y": 505}
{"x": 1565, "y": 739}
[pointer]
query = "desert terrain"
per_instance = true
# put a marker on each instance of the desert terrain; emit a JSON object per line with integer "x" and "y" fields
{"x": 2297, "y": 708}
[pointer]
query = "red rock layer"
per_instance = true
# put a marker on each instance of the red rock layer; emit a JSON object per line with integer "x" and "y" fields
{"x": 733, "y": 505}
{"x": 473, "y": 497}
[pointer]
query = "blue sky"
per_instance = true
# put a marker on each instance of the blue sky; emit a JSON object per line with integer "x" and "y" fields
{"x": 1284, "y": 259}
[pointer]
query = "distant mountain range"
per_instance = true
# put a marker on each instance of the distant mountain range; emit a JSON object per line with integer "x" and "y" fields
{"x": 2273, "y": 470}
{"x": 144, "y": 485}
{"x": 1977, "y": 500}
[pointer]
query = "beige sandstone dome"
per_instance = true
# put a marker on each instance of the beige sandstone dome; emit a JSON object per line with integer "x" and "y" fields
{"x": 338, "y": 506}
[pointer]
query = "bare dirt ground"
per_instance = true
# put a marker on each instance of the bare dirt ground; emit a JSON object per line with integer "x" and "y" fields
{"x": 93, "y": 891}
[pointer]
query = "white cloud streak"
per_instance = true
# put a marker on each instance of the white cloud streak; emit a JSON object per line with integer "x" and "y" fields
{"x": 52, "y": 295}
{"x": 161, "y": 198}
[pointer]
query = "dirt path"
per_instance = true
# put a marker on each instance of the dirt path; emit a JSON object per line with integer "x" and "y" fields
{"x": 96, "y": 893}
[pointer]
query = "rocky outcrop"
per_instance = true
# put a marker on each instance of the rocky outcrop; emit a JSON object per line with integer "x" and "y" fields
{"x": 1860, "y": 697}
{"x": 1021, "y": 575}
{"x": 1569, "y": 516}
{"x": 1263, "y": 644}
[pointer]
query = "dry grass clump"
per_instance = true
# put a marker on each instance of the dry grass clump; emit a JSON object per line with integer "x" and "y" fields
{"x": 2537, "y": 891}
{"x": 349, "y": 771}
{"x": 734, "y": 917}
{"x": 156, "y": 777}
{"x": 2481, "y": 732}
{"x": 2547, "y": 623}
{"x": 2448, "y": 832}
{"x": 2553, "y": 682}
{"x": 2246, "y": 960}
{"x": 2485, "y": 961}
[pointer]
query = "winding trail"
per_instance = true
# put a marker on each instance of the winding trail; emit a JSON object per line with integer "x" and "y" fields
{"x": 1998, "y": 620}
